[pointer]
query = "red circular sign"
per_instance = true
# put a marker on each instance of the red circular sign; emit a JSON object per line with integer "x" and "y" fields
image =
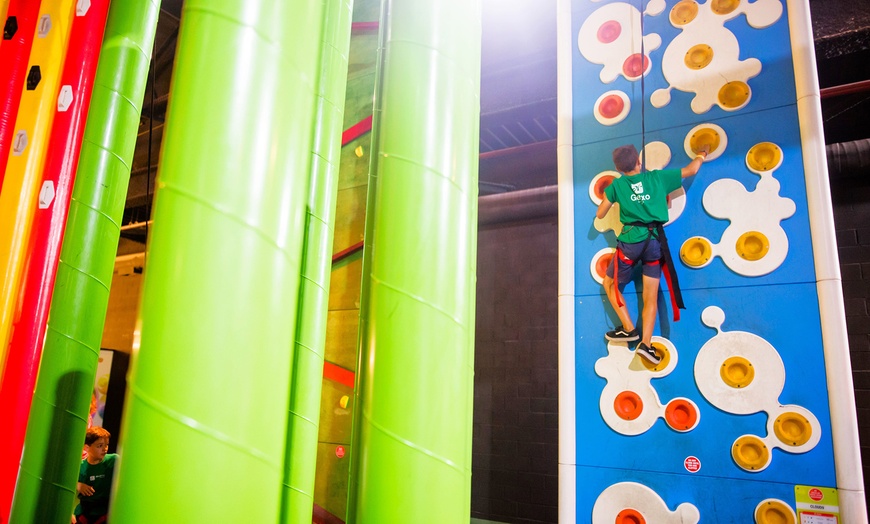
{"x": 816, "y": 494}
{"x": 339, "y": 451}
{"x": 692, "y": 464}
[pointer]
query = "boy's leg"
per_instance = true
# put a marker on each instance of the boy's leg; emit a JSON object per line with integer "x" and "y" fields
{"x": 621, "y": 311}
{"x": 650, "y": 307}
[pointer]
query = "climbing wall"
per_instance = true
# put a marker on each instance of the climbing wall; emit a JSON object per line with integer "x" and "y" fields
{"x": 736, "y": 416}
{"x": 333, "y": 452}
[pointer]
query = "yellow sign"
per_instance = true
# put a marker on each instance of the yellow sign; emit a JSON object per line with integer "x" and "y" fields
{"x": 816, "y": 505}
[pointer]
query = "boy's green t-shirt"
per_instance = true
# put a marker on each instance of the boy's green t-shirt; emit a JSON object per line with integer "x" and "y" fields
{"x": 100, "y": 477}
{"x": 643, "y": 198}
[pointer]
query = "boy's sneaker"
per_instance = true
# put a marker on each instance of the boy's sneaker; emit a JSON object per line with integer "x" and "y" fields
{"x": 621, "y": 334}
{"x": 648, "y": 353}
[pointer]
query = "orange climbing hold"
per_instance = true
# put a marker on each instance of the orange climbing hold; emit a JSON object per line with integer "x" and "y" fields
{"x": 629, "y": 516}
{"x": 681, "y": 414}
{"x": 628, "y": 405}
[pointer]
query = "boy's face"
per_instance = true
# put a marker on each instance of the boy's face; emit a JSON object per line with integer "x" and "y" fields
{"x": 97, "y": 451}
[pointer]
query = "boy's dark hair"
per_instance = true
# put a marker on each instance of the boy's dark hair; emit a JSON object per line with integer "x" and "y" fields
{"x": 95, "y": 433}
{"x": 625, "y": 158}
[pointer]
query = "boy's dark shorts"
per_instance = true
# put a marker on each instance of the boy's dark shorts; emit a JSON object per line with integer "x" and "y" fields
{"x": 648, "y": 252}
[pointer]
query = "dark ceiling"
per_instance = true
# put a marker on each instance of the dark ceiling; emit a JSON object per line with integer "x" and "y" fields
{"x": 518, "y": 94}
{"x": 518, "y": 85}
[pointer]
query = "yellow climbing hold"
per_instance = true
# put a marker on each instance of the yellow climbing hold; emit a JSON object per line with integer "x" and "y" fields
{"x": 705, "y": 136}
{"x": 733, "y": 95}
{"x": 764, "y": 156}
{"x": 696, "y": 251}
{"x": 750, "y": 453}
{"x": 699, "y": 56}
{"x": 684, "y": 12}
{"x": 737, "y": 372}
{"x": 723, "y": 7}
{"x": 752, "y": 246}
{"x": 793, "y": 429}
{"x": 662, "y": 352}
{"x": 774, "y": 512}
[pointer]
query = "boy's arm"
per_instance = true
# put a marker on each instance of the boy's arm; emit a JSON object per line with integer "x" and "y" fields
{"x": 603, "y": 207}
{"x": 695, "y": 165}
{"x": 84, "y": 489}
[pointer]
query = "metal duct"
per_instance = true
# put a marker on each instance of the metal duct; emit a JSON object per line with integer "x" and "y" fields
{"x": 845, "y": 160}
{"x": 526, "y": 204}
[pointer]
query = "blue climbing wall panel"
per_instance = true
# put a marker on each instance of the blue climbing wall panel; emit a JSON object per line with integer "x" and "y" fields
{"x": 737, "y": 413}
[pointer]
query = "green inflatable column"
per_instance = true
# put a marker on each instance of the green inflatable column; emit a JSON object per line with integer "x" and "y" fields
{"x": 412, "y": 416}
{"x": 58, "y": 419}
{"x": 306, "y": 384}
{"x": 205, "y": 421}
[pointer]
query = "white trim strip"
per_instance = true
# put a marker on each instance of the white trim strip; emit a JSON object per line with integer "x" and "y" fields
{"x": 567, "y": 389}
{"x": 844, "y": 420}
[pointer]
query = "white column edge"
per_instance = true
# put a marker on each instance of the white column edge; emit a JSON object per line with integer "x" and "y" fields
{"x": 841, "y": 396}
{"x": 564, "y": 149}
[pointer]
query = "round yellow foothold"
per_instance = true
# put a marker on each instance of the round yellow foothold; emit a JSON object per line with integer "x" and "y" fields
{"x": 699, "y": 56}
{"x": 704, "y": 137}
{"x": 723, "y": 7}
{"x": 684, "y": 12}
{"x": 734, "y": 95}
{"x": 793, "y": 429}
{"x": 662, "y": 352}
{"x": 764, "y": 156}
{"x": 696, "y": 251}
{"x": 737, "y": 372}
{"x": 774, "y": 512}
{"x": 750, "y": 453}
{"x": 752, "y": 246}
{"x": 358, "y": 151}
{"x": 343, "y": 401}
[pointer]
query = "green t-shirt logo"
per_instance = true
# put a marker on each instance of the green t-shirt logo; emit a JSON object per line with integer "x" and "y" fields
{"x": 639, "y": 195}
{"x": 643, "y": 198}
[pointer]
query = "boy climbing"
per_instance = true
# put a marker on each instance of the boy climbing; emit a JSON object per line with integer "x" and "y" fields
{"x": 643, "y": 211}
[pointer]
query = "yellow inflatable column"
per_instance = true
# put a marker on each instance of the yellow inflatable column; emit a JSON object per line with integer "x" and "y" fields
{"x": 4, "y": 7}
{"x": 18, "y": 198}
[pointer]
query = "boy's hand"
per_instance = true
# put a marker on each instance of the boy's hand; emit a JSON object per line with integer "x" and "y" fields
{"x": 692, "y": 167}
{"x": 84, "y": 489}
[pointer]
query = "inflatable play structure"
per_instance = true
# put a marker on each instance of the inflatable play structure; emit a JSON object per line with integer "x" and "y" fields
{"x": 224, "y": 390}
{"x": 750, "y": 415}
{"x": 237, "y": 392}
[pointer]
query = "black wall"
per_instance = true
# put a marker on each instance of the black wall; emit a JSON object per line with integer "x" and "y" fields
{"x": 851, "y": 197}
{"x": 515, "y": 474}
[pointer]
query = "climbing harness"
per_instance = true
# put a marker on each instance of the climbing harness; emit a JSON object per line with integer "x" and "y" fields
{"x": 655, "y": 230}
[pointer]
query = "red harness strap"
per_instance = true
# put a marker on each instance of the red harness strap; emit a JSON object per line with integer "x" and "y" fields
{"x": 667, "y": 271}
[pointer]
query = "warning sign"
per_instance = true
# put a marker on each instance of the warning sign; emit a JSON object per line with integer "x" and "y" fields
{"x": 692, "y": 464}
{"x": 817, "y": 505}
